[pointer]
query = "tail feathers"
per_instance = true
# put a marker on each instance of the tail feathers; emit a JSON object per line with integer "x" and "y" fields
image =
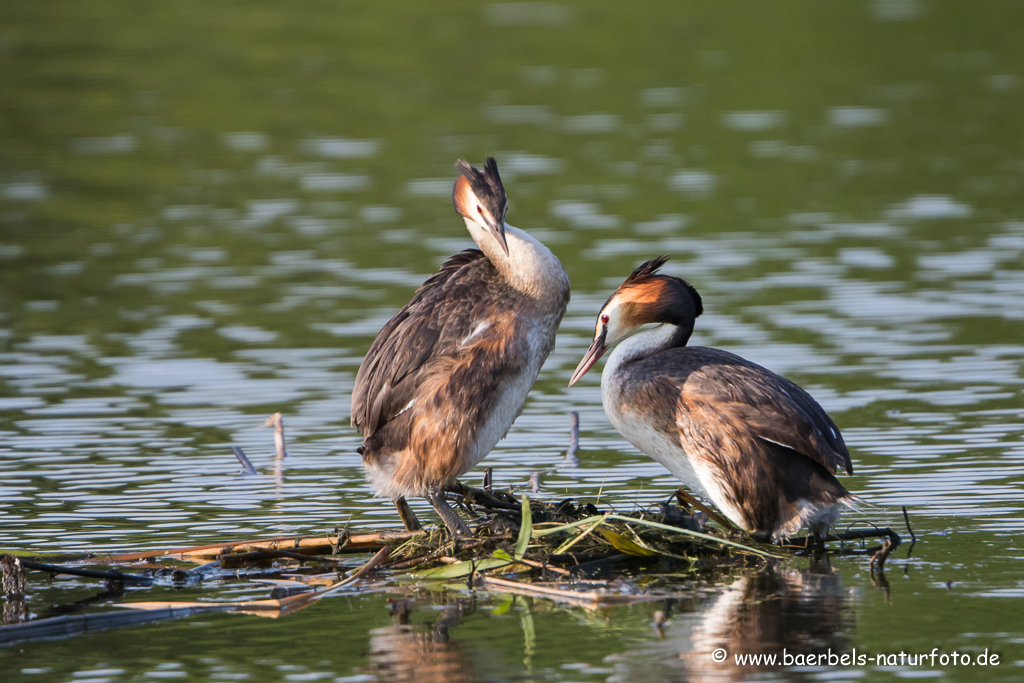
{"x": 855, "y": 502}
{"x": 817, "y": 517}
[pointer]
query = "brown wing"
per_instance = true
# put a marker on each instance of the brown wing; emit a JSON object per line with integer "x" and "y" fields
{"x": 443, "y": 311}
{"x": 775, "y": 409}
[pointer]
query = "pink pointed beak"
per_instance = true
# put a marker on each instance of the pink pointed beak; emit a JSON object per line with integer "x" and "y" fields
{"x": 592, "y": 355}
{"x": 498, "y": 230}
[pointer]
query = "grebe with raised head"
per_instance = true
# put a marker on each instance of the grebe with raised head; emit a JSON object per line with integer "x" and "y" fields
{"x": 752, "y": 442}
{"x": 446, "y": 377}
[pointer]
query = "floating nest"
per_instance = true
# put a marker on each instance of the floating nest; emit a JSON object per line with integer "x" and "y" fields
{"x": 568, "y": 551}
{"x": 568, "y": 538}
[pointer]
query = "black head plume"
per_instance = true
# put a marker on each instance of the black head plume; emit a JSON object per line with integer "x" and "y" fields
{"x": 486, "y": 185}
{"x": 646, "y": 269}
{"x": 672, "y": 292}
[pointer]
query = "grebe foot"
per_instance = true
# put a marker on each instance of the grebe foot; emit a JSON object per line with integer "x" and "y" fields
{"x": 407, "y": 515}
{"x": 450, "y": 518}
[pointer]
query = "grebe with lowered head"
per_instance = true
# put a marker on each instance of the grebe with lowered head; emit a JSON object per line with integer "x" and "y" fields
{"x": 446, "y": 377}
{"x": 753, "y": 443}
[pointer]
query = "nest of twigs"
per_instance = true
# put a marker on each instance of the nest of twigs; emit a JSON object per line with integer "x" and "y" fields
{"x": 566, "y": 551}
{"x": 567, "y": 537}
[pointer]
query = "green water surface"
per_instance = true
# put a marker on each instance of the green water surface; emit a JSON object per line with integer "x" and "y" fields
{"x": 207, "y": 211}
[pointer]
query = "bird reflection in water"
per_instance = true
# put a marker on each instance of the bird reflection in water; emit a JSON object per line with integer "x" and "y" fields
{"x": 802, "y": 610}
{"x": 422, "y": 652}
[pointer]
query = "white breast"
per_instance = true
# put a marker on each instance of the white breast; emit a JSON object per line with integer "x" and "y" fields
{"x": 531, "y": 269}
{"x": 661, "y": 447}
{"x": 636, "y": 423}
{"x": 513, "y": 392}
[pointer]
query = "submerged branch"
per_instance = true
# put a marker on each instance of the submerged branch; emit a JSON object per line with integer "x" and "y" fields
{"x": 279, "y": 604}
{"x": 112, "y": 575}
{"x": 586, "y": 599}
{"x": 247, "y": 467}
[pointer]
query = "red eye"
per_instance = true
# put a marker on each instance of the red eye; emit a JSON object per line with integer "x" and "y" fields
{"x": 604, "y": 318}
{"x": 479, "y": 210}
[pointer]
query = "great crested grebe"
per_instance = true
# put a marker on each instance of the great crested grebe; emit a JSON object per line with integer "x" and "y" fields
{"x": 753, "y": 443}
{"x": 446, "y": 377}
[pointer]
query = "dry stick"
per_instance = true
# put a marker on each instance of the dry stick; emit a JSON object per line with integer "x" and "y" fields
{"x": 543, "y": 566}
{"x": 695, "y": 534}
{"x": 355, "y": 543}
{"x": 275, "y": 605}
{"x": 247, "y": 467}
{"x": 379, "y": 557}
{"x": 906, "y": 518}
{"x": 313, "y": 596}
{"x": 112, "y": 575}
{"x": 277, "y": 422}
{"x": 848, "y": 535}
{"x": 467, "y": 544}
{"x": 913, "y": 538}
{"x": 565, "y": 546}
{"x": 416, "y": 561}
{"x": 13, "y": 576}
{"x": 574, "y": 440}
{"x": 874, "y": 532}
{"x": 680, "y": 493}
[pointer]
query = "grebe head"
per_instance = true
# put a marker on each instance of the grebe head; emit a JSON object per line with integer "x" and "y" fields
{"x": 645, "y": 297}
{"x": 479, "y": 198}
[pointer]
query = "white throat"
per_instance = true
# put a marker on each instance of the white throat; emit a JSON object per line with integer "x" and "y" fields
{"x": 639, "y": 345}
{"x": 529, "y": 266}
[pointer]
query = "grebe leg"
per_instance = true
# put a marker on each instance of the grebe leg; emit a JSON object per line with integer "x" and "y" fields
{"x": 450, "y": 518}
{"x": 407, "y": 515}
